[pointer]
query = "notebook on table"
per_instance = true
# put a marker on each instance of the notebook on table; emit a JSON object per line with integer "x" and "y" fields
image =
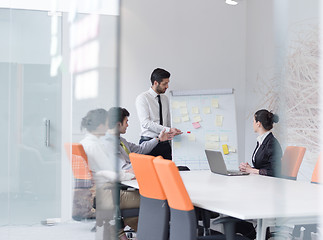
{"x": 217, "y": 164}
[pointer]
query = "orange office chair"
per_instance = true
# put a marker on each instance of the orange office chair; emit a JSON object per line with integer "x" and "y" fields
{"x": 84, "y": 188}
{"x": 182, "y": 214}
{"x": 79, "y": 161}
{"x": 154, "y": 211}
{"x": 310, "y": 227}
{"x": 316, "y": 173}
{"x": 291, "y": 161}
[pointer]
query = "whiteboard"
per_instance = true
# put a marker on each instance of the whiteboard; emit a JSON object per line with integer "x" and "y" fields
{"x": 207, "y": 119}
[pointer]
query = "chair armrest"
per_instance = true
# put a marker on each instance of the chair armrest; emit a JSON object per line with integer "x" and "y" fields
{"x": 130, "y": 212}
{"x": 225, "y": 220}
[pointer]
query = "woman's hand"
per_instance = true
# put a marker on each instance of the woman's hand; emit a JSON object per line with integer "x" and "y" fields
{"x": 245, "y": 167}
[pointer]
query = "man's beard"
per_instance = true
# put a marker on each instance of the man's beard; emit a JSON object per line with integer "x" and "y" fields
{"x": 160, "y": 90}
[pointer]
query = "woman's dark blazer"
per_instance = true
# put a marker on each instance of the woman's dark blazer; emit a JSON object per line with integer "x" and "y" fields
{"x": 268, "y": 157}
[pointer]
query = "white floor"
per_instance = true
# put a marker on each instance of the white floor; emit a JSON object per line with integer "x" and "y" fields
{"x": 72, "y": 230}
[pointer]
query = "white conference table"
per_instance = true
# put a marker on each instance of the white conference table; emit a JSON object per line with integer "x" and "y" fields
{"x": 271, "y": 201}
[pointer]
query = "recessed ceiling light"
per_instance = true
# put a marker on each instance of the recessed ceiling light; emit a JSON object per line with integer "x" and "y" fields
{"x": 231, "y": 2}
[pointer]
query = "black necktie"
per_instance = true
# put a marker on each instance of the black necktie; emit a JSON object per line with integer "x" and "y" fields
{"x": 160, "y": 111}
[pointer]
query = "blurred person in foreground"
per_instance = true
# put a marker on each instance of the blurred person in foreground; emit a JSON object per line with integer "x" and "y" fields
{"x": 103, "y": 166}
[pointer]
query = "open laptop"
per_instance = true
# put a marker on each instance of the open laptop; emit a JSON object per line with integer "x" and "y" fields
{"x": 217, "y": 164}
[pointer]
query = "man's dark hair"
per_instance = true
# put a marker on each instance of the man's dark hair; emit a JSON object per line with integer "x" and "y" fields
{"x": 158, "y": 75}
{"x": 116, "y": 115}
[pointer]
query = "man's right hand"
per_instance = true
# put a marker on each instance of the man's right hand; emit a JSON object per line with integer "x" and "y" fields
{"x": 175, "y": 131}
{"x": 165, "y": 136}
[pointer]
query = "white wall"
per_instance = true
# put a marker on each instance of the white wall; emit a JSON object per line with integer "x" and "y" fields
{"x": 202, "y": 44}
{"x": 260, "y": 65}
{"x": 282, "y": 73}
{"x": 212, "y": 45}
{"x": 106, "y": 7}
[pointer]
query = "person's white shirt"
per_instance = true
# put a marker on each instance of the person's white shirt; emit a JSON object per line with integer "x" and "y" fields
{"x": 148, "y": 113}
{"x": 97, "y": 157}
{"x": 101, "y": 163}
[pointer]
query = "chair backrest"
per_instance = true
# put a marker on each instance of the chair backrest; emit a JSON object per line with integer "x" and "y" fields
{"x": 291, "y": 161}
{"x": 78, "y": 158}
{"x": 173, "y": 185}
{"x": 154, "y": 211}
{"x": 182, "y": 214}
{"x": 316, "y": 173}
{"x": 148, "y": 181}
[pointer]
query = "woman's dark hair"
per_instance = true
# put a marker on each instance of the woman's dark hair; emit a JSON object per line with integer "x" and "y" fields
{"x": 266, "y": 118}
{"x": 116, "y": 115}
{"x": 94, "y": 118}
{"x": 158, "y": 75}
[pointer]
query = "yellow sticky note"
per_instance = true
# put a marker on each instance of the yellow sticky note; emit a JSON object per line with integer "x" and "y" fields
{"x": 195, "y": 110}
{"x": 207, "y": 110}
{"x": 218, "y": 120}
{"x": 215, "y": 103}
{"x": 224, "y": 138}
{"x": 197, "y": 118}
{"x": 176, "y": 119}
{"x": 185, "y": 118}
{"x": 216, "y": 146}
{"x": 175, "y": 104}
{"x": 232, "y": 149}
{"x": 177, "y": 145}
{"x": 225, "y": 149}
{"x": 210, "y": 145}
{"x": 191, "y": 137}
{"x": 208, "y": 137}
{"x": 214, "y": 138}
{"x": 182, "y": 104}
{"x": 184, "y": 111}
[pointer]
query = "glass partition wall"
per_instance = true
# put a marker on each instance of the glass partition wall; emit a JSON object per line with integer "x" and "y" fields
{"x": 55, "y": 67}
{"x": 31, "y": 169}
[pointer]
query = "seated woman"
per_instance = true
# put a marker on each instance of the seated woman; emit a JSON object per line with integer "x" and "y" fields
{"x": 266, "y": 158}
{"x": 102, "y": 166}
{"x": 106, "y": 150}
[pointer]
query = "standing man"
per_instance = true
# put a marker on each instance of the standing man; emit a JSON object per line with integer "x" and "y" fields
{"x": 154, "y": 114}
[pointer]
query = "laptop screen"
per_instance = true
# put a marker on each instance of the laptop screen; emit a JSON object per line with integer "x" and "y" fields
{"x": 216, "y": 161}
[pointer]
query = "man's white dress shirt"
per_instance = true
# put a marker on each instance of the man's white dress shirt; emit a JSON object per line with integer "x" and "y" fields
{"x": 148, "y": 113}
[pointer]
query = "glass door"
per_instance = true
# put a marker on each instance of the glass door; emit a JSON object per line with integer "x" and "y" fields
{"x": 55, "y": 67}
{"x": 31, "y": 122}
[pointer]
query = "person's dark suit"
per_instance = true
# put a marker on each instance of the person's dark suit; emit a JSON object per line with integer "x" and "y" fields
{"x": 268, "y": 157}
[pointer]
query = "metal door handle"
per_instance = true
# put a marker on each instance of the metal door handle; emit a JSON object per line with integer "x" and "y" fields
{"x": 47, "y": 132}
